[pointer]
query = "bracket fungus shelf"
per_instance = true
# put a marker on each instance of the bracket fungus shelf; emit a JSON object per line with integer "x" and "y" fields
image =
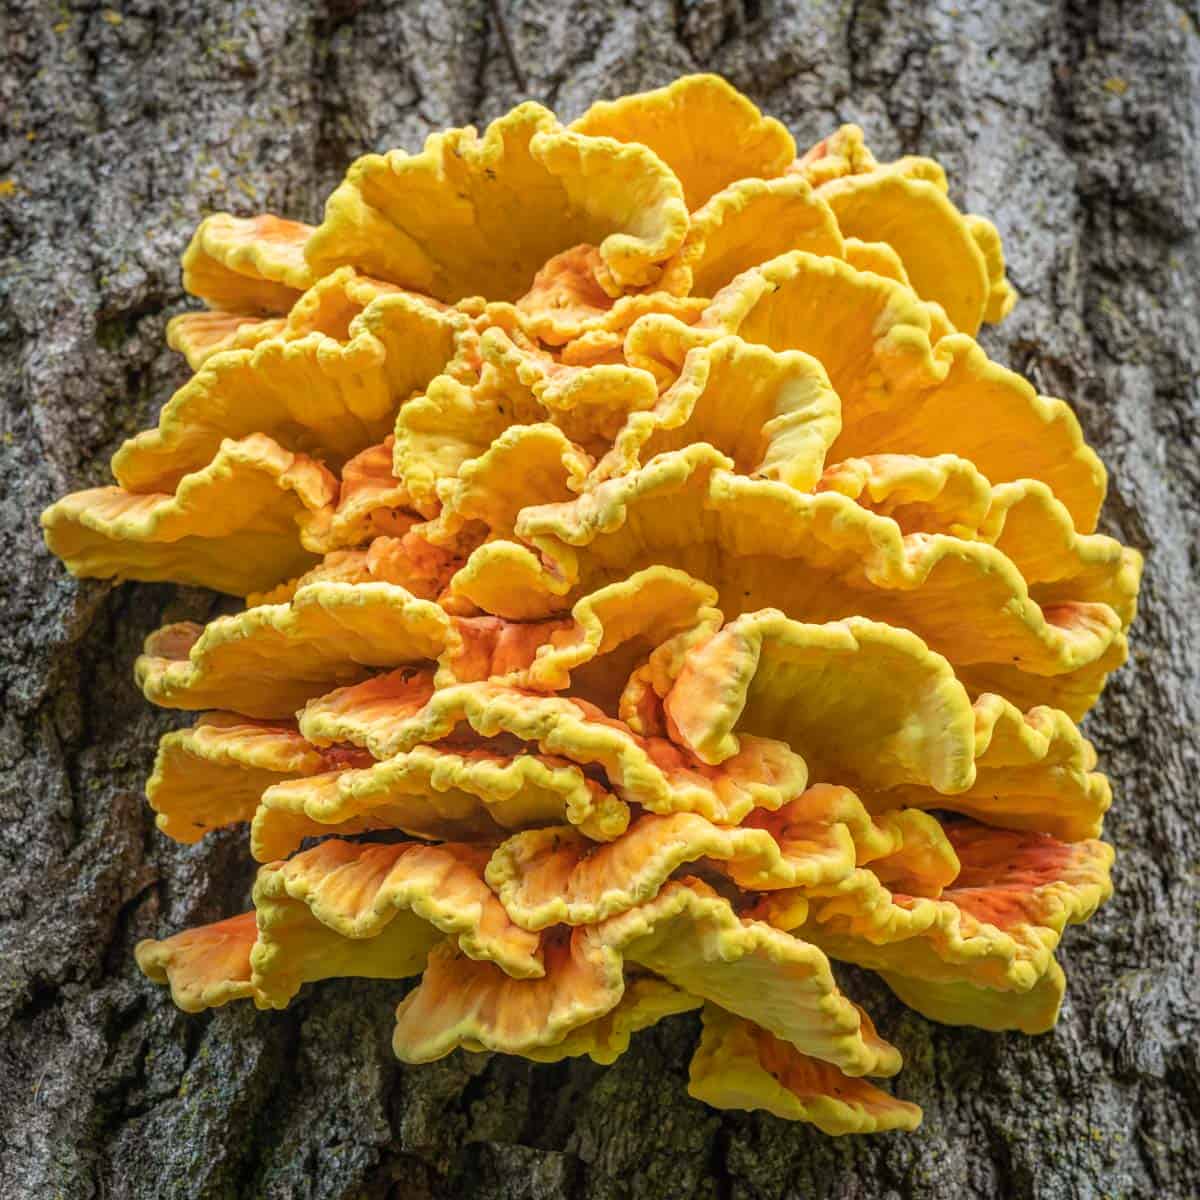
{"x": 653, "y": 596}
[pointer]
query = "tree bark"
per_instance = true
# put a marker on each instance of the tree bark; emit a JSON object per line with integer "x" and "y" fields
{"x": 1074, "y": 125}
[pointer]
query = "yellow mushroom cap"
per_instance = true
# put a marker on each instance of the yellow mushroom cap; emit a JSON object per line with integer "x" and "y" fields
{"x": 653, "y": 592}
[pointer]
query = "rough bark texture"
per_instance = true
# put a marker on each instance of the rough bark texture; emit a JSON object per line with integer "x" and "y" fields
{"x": 1073, "y": 125}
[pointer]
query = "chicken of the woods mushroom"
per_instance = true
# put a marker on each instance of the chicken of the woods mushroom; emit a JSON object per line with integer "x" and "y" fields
{"x": 652, "y": 593}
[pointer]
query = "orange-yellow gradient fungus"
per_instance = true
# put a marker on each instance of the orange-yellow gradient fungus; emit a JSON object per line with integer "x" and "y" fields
{"x": 652, "y": 595}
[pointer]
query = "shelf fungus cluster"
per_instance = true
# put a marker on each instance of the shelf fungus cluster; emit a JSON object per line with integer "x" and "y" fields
{"x": 653, "y": 595}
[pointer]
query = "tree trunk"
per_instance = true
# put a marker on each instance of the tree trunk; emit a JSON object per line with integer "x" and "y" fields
{"x": 1073, "y": 125}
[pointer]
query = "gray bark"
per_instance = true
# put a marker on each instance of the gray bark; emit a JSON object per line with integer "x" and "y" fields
{"x": 1072, "y": 124}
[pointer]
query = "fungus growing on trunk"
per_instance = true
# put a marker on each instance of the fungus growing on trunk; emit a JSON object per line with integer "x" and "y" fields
{"x": 631, "y": 527}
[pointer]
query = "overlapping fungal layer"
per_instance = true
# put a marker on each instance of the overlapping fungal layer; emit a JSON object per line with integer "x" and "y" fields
{"x": 653, "y": 594}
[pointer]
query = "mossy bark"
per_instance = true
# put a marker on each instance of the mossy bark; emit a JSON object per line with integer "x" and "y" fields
{"x": 1073, "y": 125}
